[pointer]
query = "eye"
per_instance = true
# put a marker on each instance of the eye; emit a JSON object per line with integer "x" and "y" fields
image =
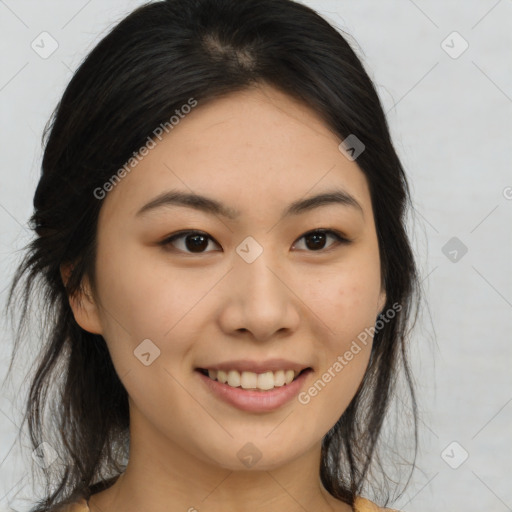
{"x": 315, "y": 239}
{"x": 197, "y": 241}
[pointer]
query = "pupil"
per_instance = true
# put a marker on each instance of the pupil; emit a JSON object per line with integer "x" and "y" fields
{"x": 200, "y": 242}
{"x": 319, "y": 240}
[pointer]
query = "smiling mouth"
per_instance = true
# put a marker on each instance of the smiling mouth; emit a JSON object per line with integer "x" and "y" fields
{"x": 265, "y": 381}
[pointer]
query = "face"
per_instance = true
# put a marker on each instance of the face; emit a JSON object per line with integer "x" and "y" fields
{"x": 259, "y": 284}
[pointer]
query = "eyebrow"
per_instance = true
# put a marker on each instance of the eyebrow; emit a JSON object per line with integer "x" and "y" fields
{"x": 214, "y": 207}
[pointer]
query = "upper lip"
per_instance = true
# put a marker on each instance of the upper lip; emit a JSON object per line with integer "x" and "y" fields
{"x": 246, "y": 365}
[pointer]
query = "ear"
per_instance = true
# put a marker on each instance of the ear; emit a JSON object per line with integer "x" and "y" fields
{"x": 382, "y": 301}
{"x": 82, "y": 303}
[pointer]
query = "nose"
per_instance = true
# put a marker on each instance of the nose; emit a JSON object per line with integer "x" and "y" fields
{"x": 260, "y": 299}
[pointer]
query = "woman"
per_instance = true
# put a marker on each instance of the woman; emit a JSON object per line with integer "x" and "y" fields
{"x": 229, "y": 283}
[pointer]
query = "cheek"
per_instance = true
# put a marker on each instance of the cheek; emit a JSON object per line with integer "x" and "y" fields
{"x": 138, "y": 304}
{"x": 346, "y": 304}
{"x": 344, "y": 353}
{"x": 145, "y": 299}
{"x": 345, "y": 300}
{"x": 145, "y": 311}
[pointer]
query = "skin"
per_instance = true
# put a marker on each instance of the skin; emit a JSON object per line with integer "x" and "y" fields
{"x": 256, "y": 151}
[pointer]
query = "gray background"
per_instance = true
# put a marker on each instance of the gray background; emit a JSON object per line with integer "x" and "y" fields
{"x": 450, "y": 116}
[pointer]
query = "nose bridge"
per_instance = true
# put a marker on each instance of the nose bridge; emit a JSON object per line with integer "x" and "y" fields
{"x": 255, "y": 269}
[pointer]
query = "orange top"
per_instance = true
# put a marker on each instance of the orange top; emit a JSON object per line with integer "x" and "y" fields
{"x": 360, "y": 505}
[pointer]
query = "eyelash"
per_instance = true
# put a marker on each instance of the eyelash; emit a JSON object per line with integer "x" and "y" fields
{"x": 182, "y": 234}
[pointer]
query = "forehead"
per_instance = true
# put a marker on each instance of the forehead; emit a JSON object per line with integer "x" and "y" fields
{"x": 257, "y": 148}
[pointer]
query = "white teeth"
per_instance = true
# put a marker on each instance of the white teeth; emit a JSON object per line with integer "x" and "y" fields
{"x": 233, "y": 378}
{"x": 250, "y": 380}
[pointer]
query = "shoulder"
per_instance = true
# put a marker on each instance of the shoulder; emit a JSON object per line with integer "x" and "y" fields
{"x": 77, "y": 506}
{"x": 364, "y": 505}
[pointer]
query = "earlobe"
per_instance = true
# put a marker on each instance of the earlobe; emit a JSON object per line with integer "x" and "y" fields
{"x": 382, "y": 301}
{"x": 82, "y": 303}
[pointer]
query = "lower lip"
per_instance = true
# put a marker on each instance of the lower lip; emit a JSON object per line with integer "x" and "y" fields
{"x": 256, "y": 401}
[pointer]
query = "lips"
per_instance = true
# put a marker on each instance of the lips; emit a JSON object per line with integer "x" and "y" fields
{"x": 255, "y": 400}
